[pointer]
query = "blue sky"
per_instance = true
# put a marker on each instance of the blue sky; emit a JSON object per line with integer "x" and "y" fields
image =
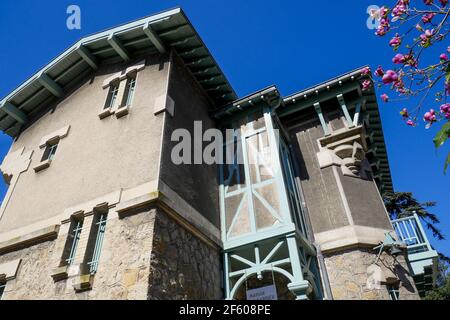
{"x": 292, "y": 44}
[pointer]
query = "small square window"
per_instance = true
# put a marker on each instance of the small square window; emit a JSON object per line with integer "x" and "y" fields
{"x": 50, "y": 151}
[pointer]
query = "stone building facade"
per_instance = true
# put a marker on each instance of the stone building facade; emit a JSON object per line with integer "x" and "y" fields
{"x": 97, "y": 208}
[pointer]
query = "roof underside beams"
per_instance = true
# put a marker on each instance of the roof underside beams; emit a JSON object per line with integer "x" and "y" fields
{"x": 154, "y": 34}
{"x": 377, "y": 153}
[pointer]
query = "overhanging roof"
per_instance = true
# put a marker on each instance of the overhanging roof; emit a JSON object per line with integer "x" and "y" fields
{"x": 153, "y": 34}
{"x": 304, "y": 99}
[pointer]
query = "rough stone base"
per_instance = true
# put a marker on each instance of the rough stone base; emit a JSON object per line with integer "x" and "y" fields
{"x": 144, "y": 256}
{"x": 351, "y": 275}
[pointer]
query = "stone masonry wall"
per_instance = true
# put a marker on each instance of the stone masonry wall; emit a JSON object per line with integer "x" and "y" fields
{"x": 182, "y": 266}
{"x": 349, "y": 272}
{"x": 144, "y": 256}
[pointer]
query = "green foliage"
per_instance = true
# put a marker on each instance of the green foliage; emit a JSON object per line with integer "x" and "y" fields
{"x": 440, "y": 293}
{"x": 403, "y": 204}
{"x": 442, "y": 135}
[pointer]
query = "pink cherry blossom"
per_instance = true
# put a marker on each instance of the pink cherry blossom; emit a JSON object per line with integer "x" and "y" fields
{"x": 443, "y": 57}
{"x": 410, "y": 123}
{"x": 366, "y": 85}
{"x": 443, "y": 2}
{"x": 379, "y": 72}
{"x": 384, "y": 97}
{"x": 426, "y": 18}
{"x": 395, "y": 41}
{"x": 365, "y": 71}
{"x": 389, "y": 77}
{"x": 426, "y": 37}
{"x": 428, "y": 2}
{"x": 404, "y": 113}
{"x": 430, "y": 116}
{"x": 445, "y": 109}
{"x": 398, "y": 58}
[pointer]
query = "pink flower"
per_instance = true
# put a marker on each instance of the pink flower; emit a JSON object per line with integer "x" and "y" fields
{"x": 398, "y": 10}
{"x": 398, "y": 58}
{"x": 379, "y": 72}
{"x": 426, "y": 37}
{"x": 443, "y": 2}
{"x": 430, "y": 116}
{"x": 389, "y": 77}
{"x": 395, "y": 41}
{"x": 365, "y": 71}
{"x": 366, "y": 85}
{"x": 428, "y": 2}
{"x": 404, "y": 113}
{"x": 426, "y": 18}
{"x": 445, "y": 108}
{"x": 443, "y": 57}
{"x": 410, "y": 123}
{"x": 384, "y": 97}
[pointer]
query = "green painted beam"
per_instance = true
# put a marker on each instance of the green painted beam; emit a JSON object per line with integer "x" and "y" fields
{"x": 87, "y": 56}
{"x": 14, "y": 112}
{"x": 340, "y": 98}
{"x": 297, "y": 103}
{"x": 154, "y": 38}
{"x": 118, "y": 47}
{"x": 51, "y": 85}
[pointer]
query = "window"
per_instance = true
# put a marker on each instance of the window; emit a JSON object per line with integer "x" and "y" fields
{"x": 72, "y": 241}
{"x": 96, "y": 239}
{"x": 112, "y": 96}
{"x": 394, "y": 292}
{"x": 2, "y": 289}
{"x": 50, "y": 151}
{"x": 129, "y": 91}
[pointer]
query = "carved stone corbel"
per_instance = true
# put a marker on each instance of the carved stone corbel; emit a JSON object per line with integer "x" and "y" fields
{"x": 345, "y": 148}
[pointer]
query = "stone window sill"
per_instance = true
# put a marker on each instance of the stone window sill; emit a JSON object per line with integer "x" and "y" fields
{"x": 42, "y": 166}
{"x": 83, "y": 282}
{"x": 60, "y": 273}
{"x": 105, "y": 113}
{"x": 122, "y": 111}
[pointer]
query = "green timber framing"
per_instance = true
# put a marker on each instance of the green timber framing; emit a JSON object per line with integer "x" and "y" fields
{"x": 168, "y": 30}
{"x": 364, "y": 105}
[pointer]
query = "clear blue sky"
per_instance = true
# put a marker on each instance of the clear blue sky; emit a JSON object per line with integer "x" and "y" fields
{"x": 293, "y": 44}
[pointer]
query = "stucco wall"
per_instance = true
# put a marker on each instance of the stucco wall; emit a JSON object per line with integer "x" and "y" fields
{"x": 195, "y": 183}
{"x": 97, "y": 156}
{"x": 321, "y": 192}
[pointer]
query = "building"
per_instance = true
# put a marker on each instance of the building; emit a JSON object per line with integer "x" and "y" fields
{"x": 97, "y": 209}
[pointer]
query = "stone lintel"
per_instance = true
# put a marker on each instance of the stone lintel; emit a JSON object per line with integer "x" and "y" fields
{"x": 349, "y": 236}
{"x": 8, "y": 270}
{"x": 30, "y": 239}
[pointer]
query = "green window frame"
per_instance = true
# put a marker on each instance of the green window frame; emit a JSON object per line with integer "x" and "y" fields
{"x": 2, "y": 289}
{"x": 50, "y": 151}
{"x": 394, "y": 292}
{"x": 97, "y": 236}
{"x": 112, "y": 96}
{"x": 74, "y": 239}
{"x": 130, "y": 88}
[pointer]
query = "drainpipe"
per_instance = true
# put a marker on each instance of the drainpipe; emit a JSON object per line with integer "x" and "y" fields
{"x": 324, "y": 274}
